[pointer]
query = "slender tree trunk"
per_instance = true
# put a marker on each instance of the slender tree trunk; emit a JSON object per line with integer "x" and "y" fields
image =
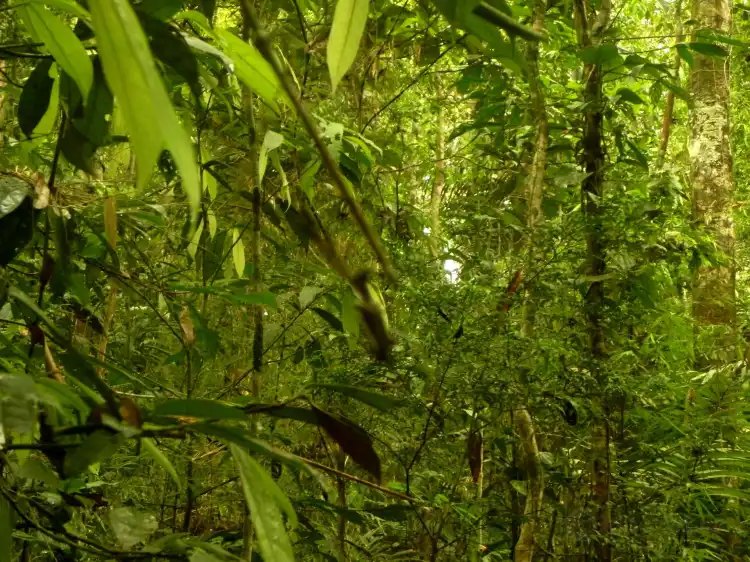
{"x": 528, "y": 539}
{"x": 666, "y": 125}
{"x": 439, "y": 185}
{"x": 711, "y": 171}
{"x": 524, "y": 425}
{"x": 592, "y": 190}
{"x": 711, "y": 176}
{"x": 257, "y": 311}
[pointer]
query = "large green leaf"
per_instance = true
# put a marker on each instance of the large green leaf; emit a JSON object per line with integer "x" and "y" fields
{"x": 349, "y": 19}
{"x": 132, "y": 76}
{"x": 252, "y": 69}
{"x": 35, "y": 98}
{"x": 264, "y": 499}
{"x": 61, "y": 42}
{"x": 13, "y": 191}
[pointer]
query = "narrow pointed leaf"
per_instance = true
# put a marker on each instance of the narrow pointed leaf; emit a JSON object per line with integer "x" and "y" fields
{"x": 62, "y": 44}
{"x": 349, "y": 19}
{"x": 148, "y": 113}
{"x": 263, "y": 498}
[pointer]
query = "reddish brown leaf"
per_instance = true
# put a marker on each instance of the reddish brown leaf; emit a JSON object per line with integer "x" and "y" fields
{"x": 352, "y": 439}
{"x": 474, "y": 446}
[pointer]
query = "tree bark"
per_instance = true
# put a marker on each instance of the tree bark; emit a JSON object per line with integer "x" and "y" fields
{"x": 666, "y": 122}
{"x": 592, "y": 191}
{"x": 524, "y": 551}
{"x": 439, "y": 185}
{"x": 711, "y": 171}
{"x": 527, "y": 539}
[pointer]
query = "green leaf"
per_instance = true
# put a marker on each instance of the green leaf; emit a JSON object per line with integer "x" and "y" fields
{"x": 374, "y": 399}
{"x": 264, "y": 499}
{"x": 708, "y": 49}
{"x": 198, "y": 408}
{"x": 13, "y": 191}
{"x": 132, "y": 76}
{"x": 94, "y": 124}
{"x": 307, "y": 295}
{"x": 35, "y": 98}
{"x": 350, "y": 317}
{"x": 602, "y": 54}
{"x": 160, "y": 9}
{"x": 61, "y": 42}
{"x": 97, "y": 447}
{"x": 678, "y": 91}
{"x": 238, "y": 252}
{"x": 628, "y": 95}
{"x": 334, "y": 322}
{"x": 271, "y": 141}
{"x": 349, "y": 19}
{"x": 68, "y": 6}
{"x": 131, "y": 526}
{"x": 252, "y": 69}
{"x": 684, "y": 52}
{"x": 17, "y": 405}
{"x": 150, "y": 446}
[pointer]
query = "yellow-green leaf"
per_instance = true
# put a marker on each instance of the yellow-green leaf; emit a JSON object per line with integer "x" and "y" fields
{"x": 161, "y": 458}
{"x": 62, "y": 44}
{"x": 132, "y": 76}
{"x": 238, "y": 252}
{"x": 271, "y": 141}
{"x": 349, "y": 21}
{"x": 252, "y": 69}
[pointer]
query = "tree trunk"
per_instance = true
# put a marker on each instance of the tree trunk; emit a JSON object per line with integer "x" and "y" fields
{"x": 592, "y": 190}
{"x": 666, "y": 126}
{"x": 532, "y": 466}
{"x": 711, "y": 171}
{"x": 527, "y": 540}
{"x": 439, "y": 185}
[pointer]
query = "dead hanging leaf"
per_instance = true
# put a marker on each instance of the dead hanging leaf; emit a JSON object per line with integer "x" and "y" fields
{"x": 53, "y": 371}
{"x": 186, "y": 323}
{"x": 130, "y": 413}
{"x": 474, "y": 447}
{"x": 37, "y": 335}
{"x": 48, "y": 266}
{"x": 110, "y": 221}
{"x": 352, "y": 439}
{"x": 41, "y": 191}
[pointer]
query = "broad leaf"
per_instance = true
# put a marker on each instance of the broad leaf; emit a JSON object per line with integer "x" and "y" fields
{"x": 334, "y": 322}
{"x": 252, "y": 69}
{"x": 132, "y": 76}
{"x": 62, "y": 43}
{"x": 264, "y": 500}
{"x": 238, "y": 252}
{"x": 35, "y": 98}
{"x": 97, "y": 447}
{"x": 271, "y": 141}
{"x": 708, "y": 49}
{"x": 352, "y": 439}
{"x": 13, "y": 191}
{"x": 132, "y": 527}
{"x": 349, "y": 19}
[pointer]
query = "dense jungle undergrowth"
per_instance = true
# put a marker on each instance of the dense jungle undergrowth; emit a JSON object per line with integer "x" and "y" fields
{"x": 384, "y": 280}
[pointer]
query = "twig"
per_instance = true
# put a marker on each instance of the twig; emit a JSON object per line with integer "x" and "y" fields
{"x": 264, "y": 46}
